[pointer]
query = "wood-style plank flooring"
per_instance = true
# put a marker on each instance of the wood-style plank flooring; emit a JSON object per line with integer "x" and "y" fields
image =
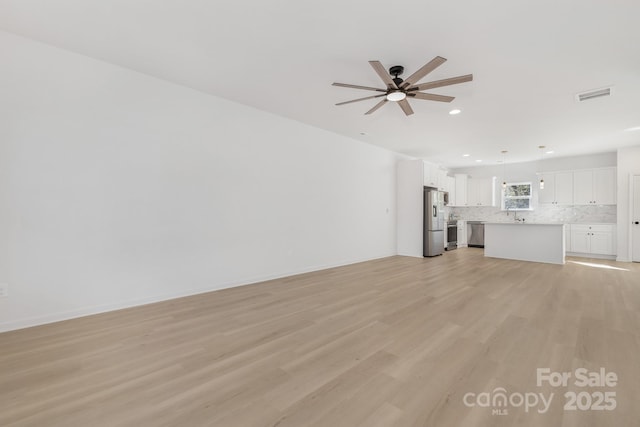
{"x": 391, "y": 342}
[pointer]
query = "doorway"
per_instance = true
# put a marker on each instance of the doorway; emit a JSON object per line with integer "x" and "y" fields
{"x": 635, "y": 220}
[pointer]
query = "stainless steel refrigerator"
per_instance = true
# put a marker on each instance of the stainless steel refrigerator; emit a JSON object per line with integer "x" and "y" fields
{"x": 433, "y": 240}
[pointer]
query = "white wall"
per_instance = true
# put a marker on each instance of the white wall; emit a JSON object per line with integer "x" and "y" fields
{"x": 628, "y": 164}
{"x": 118, "y": 189}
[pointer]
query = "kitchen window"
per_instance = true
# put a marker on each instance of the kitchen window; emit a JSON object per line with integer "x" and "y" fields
{"x": 516, "y": 196}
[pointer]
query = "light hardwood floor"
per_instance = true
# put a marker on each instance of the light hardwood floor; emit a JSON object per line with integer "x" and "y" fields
{"x": 391, "y": 342}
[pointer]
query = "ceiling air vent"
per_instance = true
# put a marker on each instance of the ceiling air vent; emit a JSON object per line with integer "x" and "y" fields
{"x": 597, "y": 93}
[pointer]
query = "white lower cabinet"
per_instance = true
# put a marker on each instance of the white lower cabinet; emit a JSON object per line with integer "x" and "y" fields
{"x": 597, "y": 239}
{"x": 462, "y": 234}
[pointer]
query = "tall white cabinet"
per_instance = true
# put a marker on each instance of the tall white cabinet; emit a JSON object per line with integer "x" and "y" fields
{"x": 410, "y": 207}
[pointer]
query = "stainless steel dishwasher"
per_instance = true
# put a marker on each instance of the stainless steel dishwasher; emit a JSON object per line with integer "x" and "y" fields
{"x": 475, "y": 230}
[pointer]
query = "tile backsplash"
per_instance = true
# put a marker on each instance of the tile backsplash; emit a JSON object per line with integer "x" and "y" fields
{"x": 566, "y": 214}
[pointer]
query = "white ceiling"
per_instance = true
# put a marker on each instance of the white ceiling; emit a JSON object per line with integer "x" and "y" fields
{"x": 528, "y": 58}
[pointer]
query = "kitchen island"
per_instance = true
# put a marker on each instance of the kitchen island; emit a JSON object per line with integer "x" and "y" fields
{"x": 537, "y": 242}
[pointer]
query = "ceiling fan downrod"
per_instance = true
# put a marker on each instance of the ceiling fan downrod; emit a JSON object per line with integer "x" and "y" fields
{"x": 395, "y": 71}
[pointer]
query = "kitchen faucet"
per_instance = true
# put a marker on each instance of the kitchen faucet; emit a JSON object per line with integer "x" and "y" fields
{"x": 515, "y": 215}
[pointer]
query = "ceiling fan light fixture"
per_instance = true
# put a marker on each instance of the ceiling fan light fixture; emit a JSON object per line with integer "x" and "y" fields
{"x": 396, "y": 96}
{"x": 542, "y": 147}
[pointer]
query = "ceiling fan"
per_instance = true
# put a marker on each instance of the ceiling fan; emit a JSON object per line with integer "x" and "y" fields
{"x": 398, "y": 90}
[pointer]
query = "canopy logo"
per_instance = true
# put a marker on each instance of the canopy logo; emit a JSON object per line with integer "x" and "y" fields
{"x": 500, "y": 401}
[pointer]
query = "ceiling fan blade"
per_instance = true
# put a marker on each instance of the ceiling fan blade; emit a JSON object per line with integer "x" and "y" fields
{"x": 386, "y": 78}
{"x": 431, "y": 97}
{"x": 358, "y": 87}
{"x": 378, "y": 105}
{"x": 444, "y": 82}
{"x": 426, "y": 69}
{"x": 361, "y": 99}
{"x": 405, "y": 107}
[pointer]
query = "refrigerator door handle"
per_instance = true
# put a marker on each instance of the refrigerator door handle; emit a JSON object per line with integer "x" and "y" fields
{"x": 435, "y": 211}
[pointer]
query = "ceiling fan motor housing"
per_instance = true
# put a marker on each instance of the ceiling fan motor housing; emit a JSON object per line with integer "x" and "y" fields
{"x": 396, "y": 71}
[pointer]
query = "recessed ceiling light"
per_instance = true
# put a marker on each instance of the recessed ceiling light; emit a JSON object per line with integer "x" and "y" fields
{"x": 454, "y": 112}
{"x": 478, "y": 160}
{"x": 466, "y": 155}
{"x": 549, "y": 152}
{"x": 632, "y": 129}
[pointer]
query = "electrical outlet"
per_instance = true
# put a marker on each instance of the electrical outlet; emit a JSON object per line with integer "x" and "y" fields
{"x": 4, "y": 290}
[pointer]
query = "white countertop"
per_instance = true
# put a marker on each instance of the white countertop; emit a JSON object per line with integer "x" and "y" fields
{"x": 523, "y": 223}
{"x": 591, "y": 223}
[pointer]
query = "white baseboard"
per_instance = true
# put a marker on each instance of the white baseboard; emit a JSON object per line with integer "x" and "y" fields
{"x": 597, "y": 256}
{"x": 89, "y": 311}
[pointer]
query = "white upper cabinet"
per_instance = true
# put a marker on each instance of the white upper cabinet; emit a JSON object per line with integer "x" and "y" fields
{"x": 442, "y": 179}
{"x": 564, "y": 188}
{"x": 583, "y": 187}
{"x": 558, "y": 188}
{"x": 434, "y": 176}
{"x": 430, "y": 175}
{"x": 451, "y": 188}
{"x": 594, "y": 187}
{"x": 548, "y": 193}
{"x": 480, "y": 192}
{"x": 461, "y": 190}
{"x": 604, "y": 186}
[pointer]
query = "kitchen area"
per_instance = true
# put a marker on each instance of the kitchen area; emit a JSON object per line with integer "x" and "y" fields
{"x": 572, "y": 212}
